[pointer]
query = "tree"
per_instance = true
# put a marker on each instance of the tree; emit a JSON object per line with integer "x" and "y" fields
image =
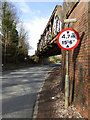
{"x": 9, "y": 22}
{"x": 23, "y": 39}
{"x": 14, "y": 42}
{"x": 10, "y": 36}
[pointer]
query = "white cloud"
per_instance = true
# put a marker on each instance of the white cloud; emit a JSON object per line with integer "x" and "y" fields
{"x": 24, "y": 7}
{"x": 38, "y": 11}
{"x": 35, "y": 27}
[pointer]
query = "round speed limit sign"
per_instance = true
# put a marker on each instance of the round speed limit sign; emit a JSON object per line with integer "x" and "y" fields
{"x": 68, "y": 39}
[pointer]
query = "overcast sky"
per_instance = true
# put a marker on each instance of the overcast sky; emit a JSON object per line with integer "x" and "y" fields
{"x": 35, "y": 16}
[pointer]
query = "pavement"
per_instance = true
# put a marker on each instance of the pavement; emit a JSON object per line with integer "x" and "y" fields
{"x": 20, "y": 90}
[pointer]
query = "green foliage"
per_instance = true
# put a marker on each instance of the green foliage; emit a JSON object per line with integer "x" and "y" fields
{"x": 14, "y": 44}
{"x": 14, "y": 36}
{"x": 9, "y": 31}
{"x": 36, "y": 59}
{"x": 55, "y": 59}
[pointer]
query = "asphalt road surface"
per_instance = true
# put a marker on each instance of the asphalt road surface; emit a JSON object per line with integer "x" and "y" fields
{"x": 20, "y": 89}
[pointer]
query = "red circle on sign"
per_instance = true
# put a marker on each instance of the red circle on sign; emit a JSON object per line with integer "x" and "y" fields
{"x": 78, "y": 39}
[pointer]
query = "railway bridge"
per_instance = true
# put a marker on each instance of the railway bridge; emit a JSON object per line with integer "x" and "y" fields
{"x": 78, "y": 57}
{"x": 47, "y": 45}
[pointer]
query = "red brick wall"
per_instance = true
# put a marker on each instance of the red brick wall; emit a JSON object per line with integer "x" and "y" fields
{"x": 79, "y": 57}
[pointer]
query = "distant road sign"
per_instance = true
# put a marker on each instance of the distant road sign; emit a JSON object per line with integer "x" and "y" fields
{"x": 68, "y": 39}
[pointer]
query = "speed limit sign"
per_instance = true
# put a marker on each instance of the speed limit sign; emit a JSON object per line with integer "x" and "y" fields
{"x": 68, "y": 39}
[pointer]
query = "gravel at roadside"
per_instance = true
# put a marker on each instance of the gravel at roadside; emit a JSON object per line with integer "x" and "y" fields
{"x": 51, "y": 103}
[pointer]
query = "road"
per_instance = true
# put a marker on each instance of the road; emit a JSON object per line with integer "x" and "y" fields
{"x": 20, "y": 89}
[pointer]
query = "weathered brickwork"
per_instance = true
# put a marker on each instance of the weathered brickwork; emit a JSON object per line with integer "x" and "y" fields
{"x": 79, "y": 57}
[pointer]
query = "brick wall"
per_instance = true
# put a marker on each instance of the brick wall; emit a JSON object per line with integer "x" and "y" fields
{"x": 78, "y": 57}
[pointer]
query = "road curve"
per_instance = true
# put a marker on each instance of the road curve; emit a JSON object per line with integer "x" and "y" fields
{"x": 20, "y": 89}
